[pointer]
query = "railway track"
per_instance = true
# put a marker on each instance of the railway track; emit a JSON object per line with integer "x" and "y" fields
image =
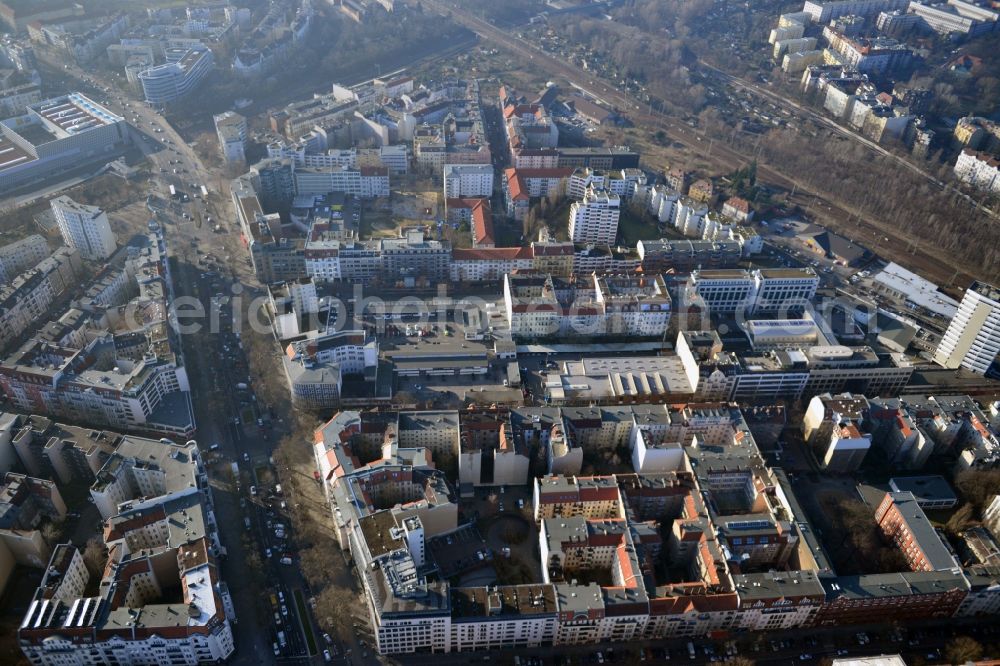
{"x": 830, "y": 212}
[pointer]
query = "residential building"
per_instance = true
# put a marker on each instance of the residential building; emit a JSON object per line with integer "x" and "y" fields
{"x": 231, "y": 128}
{"x": 972, "y": 339}
{"x": 594, "y": 219}
{"x": 488, "y": 264}
{"x": 956, "y": 16}
{"x": 876, "y": 56}
{"x": 468, "y": 181}
{"x": 520, "y": 186}
{"x": 478, "y": 214}
{"x": 895, "y": 597}
{"x": 316, "y": 367}
{"x": 160, "y": 532}
{"x": 833, "y": 428}
{"x": 540, "y": 306}
{"x": 991, "y": 516}
{"x": 930, "y": 492}
{"x": 901, "y": 519}
{"x": 979, "y": 169}
{"x": 84, "y": 228}
{"x": 123, "y": 372}
{"x": 412, "y": 256}
{"x": 488, "y": 454}
{"x": 22, "y": 255}
{"x": 684, "y": 256}
{"x": 17, "y": 93}
{"x": 28, "y": 297}
{"x": 738, "y": 209}
{"x": 25, "y": 502}
{"x": 823, "y": 12}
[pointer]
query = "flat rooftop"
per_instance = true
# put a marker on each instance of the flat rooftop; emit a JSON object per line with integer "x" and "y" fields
{"x": 929, "y": 488}
{"x": 12, "y": 155}
{"x": 75, "y": 113}
{"x": 510, "y": 600}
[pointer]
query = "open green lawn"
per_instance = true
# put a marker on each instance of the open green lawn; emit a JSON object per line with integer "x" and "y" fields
{"x": 633, "y": 228}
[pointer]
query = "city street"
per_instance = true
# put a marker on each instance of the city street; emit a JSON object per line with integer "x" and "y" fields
{"x": 215, "y": 365}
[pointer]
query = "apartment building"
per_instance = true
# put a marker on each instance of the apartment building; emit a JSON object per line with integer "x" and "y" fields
{"x": 741, "y": 551}
{"x": 684, "y": 256}
{"x": 972, "y": 340}
{"x": 594, "y": 218}
{"x": 85, "y": 228}
{"x": 315, "y": 368}
{"x": 28, "y": 297}
{"x": 478, "y": 214}
{"x": 488, "y": 264}
{"x": 17, "y": 93}
{"x": 956, "y": 16}
{"x": 623, "y": 182}
{"x": 25, "y": 501}
{"x": 901, "y": 519}
{"x": 869, "y": 56}
{"x": 363, "y": 182}
{"x": 22, "y": 255}
{"x": 503, "y": 617}
{"x": 823, "y": 12}
{"x": 231, "y": 130}
{"x": 778, "y": 599}
{"x": 149, "y": 394}
{"x": 160, "y": 533}
{"x": 593, "y": 497}
{"x": 122, "y": 372}
{"x": 545, "y": 305}
{"x": 521, "y": 185}
{"x": 468, "y": 181}
{"x": 832, "y": 426}
{"x": 979, "y": 169}
{"x": 488, "y": 454}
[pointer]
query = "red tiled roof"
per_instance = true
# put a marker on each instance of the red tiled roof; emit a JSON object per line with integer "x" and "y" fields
{"x": 739, "y": 203}
{"x": 553, "y": 249}
{"x": 515, "y": 186}
{"x": 491, "y": 253}
{"x": 554, "y": 172}
{"x": 482, "y": 223}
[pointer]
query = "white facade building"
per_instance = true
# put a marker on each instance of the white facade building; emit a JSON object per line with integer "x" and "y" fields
{"x": 972, "y": 340}
{"x": 468, "y": 181}
{"x": 21, "y": 255}
{"x": 175, "y": 79}
{"x": 85, "y": 228}
{"x": 231, "y": 128}
{"x": 594, "y": 219}
{"x": 980, "y": 170}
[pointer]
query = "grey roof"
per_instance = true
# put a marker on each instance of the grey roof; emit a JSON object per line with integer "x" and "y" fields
{"x": 936, "y": 553}
{"x": 778, "y": 585}
{"x": 931, "y": 487}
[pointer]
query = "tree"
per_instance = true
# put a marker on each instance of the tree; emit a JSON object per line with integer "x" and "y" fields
{"x": 978, "y": 486}
{"x": 961, "y": 649}
{"x": 959, "y": 520}
{"x": 52, "y": 532}
{"x": 94, "y": 557}
{"x": 331, "y": 613}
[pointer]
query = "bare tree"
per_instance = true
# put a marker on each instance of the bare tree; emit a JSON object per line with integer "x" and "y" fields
{"x": 95, "y": 557}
